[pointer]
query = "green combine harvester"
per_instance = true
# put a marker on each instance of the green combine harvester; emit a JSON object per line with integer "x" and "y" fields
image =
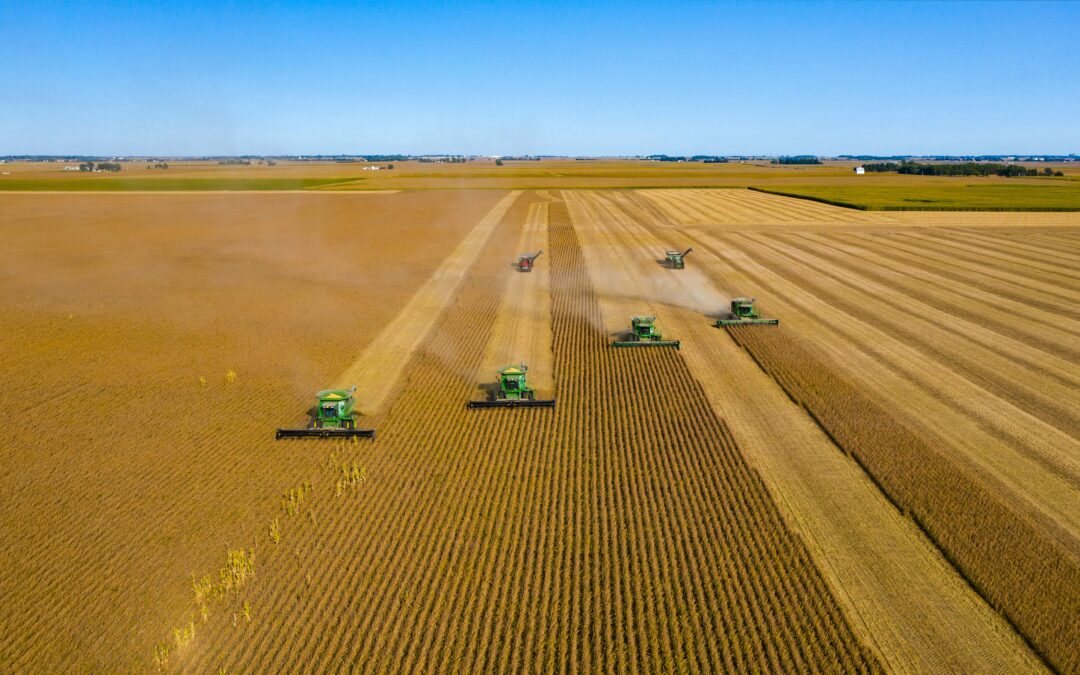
{"x": 744, "y": 314}
{"x": 332, "y": 417}
{"x": 675, "y": 260}
{"x": 513, "y": 392}
{"x": 643, "y": 333}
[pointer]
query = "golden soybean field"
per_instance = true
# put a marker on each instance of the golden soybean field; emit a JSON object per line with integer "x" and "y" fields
{"x": 886, "y": 481}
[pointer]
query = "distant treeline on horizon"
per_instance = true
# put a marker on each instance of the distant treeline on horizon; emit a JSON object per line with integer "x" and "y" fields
{"x": 659, "y": 157}
{"x": 959, "y": 169}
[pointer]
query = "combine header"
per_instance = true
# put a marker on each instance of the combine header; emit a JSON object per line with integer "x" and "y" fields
{"x": 674, "y": 260}
{"x": 643, "y": 333}
{"x": 513, "y": 392}
{"x": 333, "y": 417}
{"x": 525, "y": 261}
{"x": 744, "y": 314}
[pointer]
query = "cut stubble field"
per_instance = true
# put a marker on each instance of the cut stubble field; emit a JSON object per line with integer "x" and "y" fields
{"x": 886, "y": 481}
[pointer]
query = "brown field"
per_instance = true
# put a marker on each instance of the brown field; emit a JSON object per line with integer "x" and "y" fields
{"x": 484, "y": 174}
{"x": 886, "y": 481}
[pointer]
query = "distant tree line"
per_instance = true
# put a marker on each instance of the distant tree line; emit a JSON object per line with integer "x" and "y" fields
{"x": 100, "y": 166}
{"x": 159, "y": 165}
{"x": 706, "y": 159}
{"x": 959, "y": 169}
{"x": 797, "y": 159}
{"x": 234, "y": 160}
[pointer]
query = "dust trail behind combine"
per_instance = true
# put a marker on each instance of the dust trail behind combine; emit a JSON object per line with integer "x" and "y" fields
{"x": 522, "y": 330}
{"x": 377, "y": 370}
{"x": 624, "y": 269}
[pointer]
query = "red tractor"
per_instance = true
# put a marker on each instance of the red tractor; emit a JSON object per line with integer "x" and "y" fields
{"x": 525, "y": 261}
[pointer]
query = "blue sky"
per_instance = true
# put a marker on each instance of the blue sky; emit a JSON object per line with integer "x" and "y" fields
{"x": 545, "y": 78}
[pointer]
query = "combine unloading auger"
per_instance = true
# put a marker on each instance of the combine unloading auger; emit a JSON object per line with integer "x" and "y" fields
{"x": 333, "y": 417}
{"x": 676, "y": 260}
{"x": 525, "y": 261}
{"x": 513, "y": 392}
{"x": 743, "y": 314}
{"x": 643, "y": 333}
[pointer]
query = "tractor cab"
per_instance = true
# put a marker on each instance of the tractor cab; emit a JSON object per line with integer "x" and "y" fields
{"x": 743, "y": 313}
{"x": 332, "y": 417}
{"x": 335, "y": 409}
{"x": 513, "y": 392}
{"x": 644, "y": 333}
{"x": 525, "y": 261}
{"x": 644, "y": 328}
{"x": 743, "y": 308}
{"x": 512, "y": 383}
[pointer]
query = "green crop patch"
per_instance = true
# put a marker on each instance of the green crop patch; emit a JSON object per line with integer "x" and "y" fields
{"x": 1054, "y": 195}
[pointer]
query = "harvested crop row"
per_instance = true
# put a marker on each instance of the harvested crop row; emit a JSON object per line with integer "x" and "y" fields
{"x": 378, "y": 369}
{"x": 1036, "y": 284}
{"x": 999, "y": 255}
{"x": 1038, "y": 588}
{"x": 958, "y": 273}
{"x": 367, "y": 546}
{"x": 1019, "y": 454}
{"x": 746, "y": 207}
{"x": 1041, "y": 329}
{"x": 623, "y": 531}
{"x": 1043, "y": 385}
{"x": 522, "y": 330}
{"x": 1019, "y": 244}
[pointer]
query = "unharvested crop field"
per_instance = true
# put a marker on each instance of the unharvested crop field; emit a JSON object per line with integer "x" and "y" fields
{"x": 1042, "y": 194}
{"x": 886, "y": 481}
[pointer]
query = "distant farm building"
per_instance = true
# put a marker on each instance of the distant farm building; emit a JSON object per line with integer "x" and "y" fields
{"x": 860, "y": 170}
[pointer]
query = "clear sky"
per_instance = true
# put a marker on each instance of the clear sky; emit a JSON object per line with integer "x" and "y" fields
{"x": 545, "y": 78}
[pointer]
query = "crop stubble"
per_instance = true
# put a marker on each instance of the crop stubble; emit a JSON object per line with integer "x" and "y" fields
{"x": 622, "y": 530}
{"x": 1016, "y": 461}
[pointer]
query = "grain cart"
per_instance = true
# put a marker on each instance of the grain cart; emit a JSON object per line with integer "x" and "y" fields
{"x": 513, "y": 392}
{"x": 643, "y": 333}
{"x": 525, "y": 261}
{"x": 743, "y": 314}
{"x": 675, "y": 260}
{"x": 332, "y": 417}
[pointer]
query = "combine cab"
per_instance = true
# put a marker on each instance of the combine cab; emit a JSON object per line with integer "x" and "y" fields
{"x": 744, "y": 314}
{"x": 643, "y": 333}
{"x": 513, "y": 392}
{"x": 333, "y": 417}
{"x": 525, "y": 261}
{"x": 675, "y": 260}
